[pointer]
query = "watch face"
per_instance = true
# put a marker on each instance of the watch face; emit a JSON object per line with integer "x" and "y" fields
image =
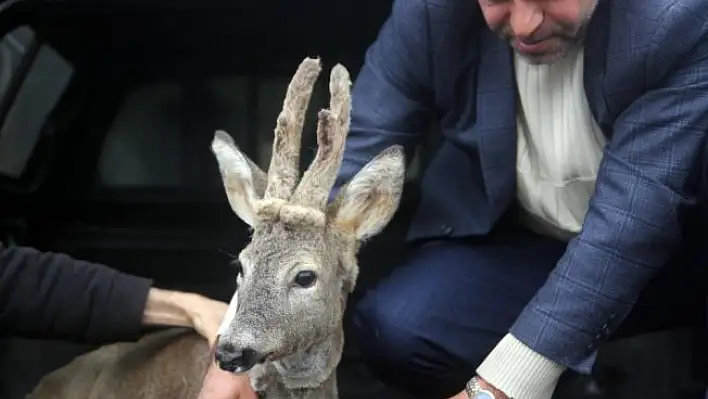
{"x": 483, "y": 395}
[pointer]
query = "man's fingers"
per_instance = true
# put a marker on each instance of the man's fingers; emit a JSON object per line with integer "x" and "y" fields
{"x": 219, "y": 384}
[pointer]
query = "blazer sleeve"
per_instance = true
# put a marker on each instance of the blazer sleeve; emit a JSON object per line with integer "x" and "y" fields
{"x": 52, "y": 296}
{"x": 647, "y": 179}
{"x": 389, "y": 97}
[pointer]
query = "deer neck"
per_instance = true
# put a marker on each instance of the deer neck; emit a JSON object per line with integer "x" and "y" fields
{"x": 310, "y": 374}
{"x": 313, "y": 366}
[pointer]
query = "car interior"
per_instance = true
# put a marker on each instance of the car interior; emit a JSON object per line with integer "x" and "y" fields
{"x": 107, "y": 111}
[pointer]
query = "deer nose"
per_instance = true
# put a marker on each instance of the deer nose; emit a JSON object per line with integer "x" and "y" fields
{"x": 234, "y": 360}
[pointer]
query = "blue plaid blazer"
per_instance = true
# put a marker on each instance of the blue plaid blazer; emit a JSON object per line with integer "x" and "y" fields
{"x": 646, "y": 80}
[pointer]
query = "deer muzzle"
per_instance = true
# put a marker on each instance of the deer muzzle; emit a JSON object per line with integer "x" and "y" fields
{"x": 235, "y": 360}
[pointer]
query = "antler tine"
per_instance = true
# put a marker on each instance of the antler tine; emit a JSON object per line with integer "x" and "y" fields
{"x": 332, "y": 130}
{"x": 284, "y": 168}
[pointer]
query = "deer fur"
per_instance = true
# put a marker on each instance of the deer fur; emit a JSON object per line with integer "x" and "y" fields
{"x": 292, "y": 332}
{"x": 166, "y": 364}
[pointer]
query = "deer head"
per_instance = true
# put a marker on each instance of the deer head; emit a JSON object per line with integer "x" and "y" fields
{"x": 301, "y": 263}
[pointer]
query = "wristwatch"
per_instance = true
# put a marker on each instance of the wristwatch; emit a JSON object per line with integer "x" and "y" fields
{"x": 476, "y": 392}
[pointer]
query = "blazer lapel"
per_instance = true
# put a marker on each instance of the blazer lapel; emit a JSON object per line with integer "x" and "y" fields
{"x": 595, "y": 65}
{"x": 497, "y": 104}
{"x": 496, "y": 123}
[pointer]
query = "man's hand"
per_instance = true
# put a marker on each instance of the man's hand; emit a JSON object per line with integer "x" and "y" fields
{"x": 206, "y": 315}
{"x": 173, "y": 308}
{"x": 219, "y": 384}
{"x": 486, "y": 386}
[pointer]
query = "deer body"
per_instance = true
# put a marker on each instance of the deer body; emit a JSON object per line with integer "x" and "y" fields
{"x": 166, "y": 364}
{"x": 284, "y": 326}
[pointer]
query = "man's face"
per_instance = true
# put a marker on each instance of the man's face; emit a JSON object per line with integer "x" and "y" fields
{"x": 541, "y": 31}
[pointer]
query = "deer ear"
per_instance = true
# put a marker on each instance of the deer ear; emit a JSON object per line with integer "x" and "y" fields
{"x": 367, "y": 203}
{"x": 243, "y": 180}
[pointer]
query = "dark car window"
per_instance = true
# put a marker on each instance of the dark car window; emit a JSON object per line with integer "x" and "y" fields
{"x": 13, "y": 47}
{"x": 161, "y": 135}
{"x": 45, "y": 80}
{"x": 145, "y": 144}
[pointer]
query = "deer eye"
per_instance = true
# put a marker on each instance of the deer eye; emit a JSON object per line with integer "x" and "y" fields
{"x": 305, "y": 278}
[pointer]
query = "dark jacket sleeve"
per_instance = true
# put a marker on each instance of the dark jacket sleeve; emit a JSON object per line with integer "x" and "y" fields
{"x": 53, "y": 296}
{"x": 647, "y": 181}
{"x": 392, "y": 95}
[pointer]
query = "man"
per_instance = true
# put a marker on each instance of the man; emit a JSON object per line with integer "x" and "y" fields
{"x": 566, "y": 179}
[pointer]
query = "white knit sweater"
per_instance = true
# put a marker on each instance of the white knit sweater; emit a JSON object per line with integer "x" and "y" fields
{"x": 558, "y": 156}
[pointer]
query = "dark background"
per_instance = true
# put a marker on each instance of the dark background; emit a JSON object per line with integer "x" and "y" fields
{"x": 108, "y": 109}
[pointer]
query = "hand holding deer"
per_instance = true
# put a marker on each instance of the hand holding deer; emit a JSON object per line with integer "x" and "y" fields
{"x": 220, "y": 384}
{"x": 186, "y": 310}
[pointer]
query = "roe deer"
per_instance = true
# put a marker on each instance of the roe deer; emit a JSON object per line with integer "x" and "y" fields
{"x": 284, "y": 325}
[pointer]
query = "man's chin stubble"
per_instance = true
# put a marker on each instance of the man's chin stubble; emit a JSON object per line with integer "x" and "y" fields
{"x": 551, "y": 57}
